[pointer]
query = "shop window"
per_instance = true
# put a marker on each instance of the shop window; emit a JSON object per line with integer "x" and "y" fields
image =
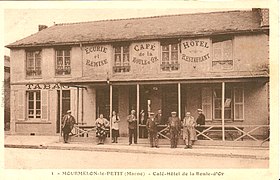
{"x": 33, "y": 63}
{"x": 63, "y": 62}
{"x": 222, "y": 53}
{"x": 121, "y": 59}
{"x": 34, "y": 104}
{"x": 169, "y": 56}
{"x": 233, "y": 103}
{"x": 217, "y": 96}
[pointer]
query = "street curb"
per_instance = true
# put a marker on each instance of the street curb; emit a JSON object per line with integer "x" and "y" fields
{"x": 110, "y": 149}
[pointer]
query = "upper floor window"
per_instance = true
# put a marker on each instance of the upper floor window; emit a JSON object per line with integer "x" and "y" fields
{"x": 33, "y": 63}
{"x": 121, "y": 58}
{"x": 63, "y": 62}
{"x": 169, "y": 58}
{"x": 222, "y": 53}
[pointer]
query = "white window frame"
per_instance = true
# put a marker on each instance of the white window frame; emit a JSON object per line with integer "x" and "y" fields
{"x": 34, "y": 59}
{"x": 170, "y": 61}
{"x": 123, "y": 65}
{"x": 34, "y": 104}
{"x": 64, "y": 66}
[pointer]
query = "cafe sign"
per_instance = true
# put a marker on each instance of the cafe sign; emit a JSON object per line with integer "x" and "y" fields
{"x": 145, "y": 53}
{"x": 195, "y": 50}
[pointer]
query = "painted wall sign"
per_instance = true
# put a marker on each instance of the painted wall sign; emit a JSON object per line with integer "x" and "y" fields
{"x": 45, "y": 86}
{"x": 96, "y": 56}
{"x": 145, "y": 53}
{"x": 195, "y": 50}
{"x": 96, "y": 59}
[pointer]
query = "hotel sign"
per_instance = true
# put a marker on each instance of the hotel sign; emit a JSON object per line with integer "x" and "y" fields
{"x": 145, "y": 53}
{"x": 195, "y": 50}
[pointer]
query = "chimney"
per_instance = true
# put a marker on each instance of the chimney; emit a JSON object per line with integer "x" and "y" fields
{"x": 41, "y": 27}
{"x": 264, "y": 16}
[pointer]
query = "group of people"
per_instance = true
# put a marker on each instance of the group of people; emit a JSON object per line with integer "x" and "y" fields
{"x": 174, "y": 126}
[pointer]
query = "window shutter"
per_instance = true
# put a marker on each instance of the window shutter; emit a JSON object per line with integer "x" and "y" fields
{"x": 238, "y": 104}
{"x": 20, "y": 99}
{"x": 206, "y": 95}
{"x": 227, "y": 50}
{"x": 217, "y": 51}
{"x": 44, "y": 104}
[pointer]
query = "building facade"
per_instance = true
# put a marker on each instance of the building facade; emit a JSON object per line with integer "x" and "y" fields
{"x": 7, "y": 93}
{"x": 214, "y": 61}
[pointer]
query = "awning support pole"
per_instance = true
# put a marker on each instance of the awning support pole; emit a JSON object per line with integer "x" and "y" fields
{"x": 179, "y": 100}
{"x": 138, "y": 108}
{"x": 223, "y": 111}
{"x": 111, "y": 109}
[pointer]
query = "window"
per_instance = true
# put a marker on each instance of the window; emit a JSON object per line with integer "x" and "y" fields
{"x": 238, "y": 104}
{"x": 34, "y": 104}
{"x": 169, "y": 60}
{"x": 33, "y": 63}
{"x": 222, "y": 53}
{"x": 233, "y": 103}
{"x": 217, "y": 95}
{"x": 63, "y": 62}
{"x": 121, "y": 59}
{"x": 207, "y": 102}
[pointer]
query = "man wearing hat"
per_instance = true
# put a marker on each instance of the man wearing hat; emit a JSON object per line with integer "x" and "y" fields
{"x": 151, "y": 125}
{"x": 200, "y": 121}
{"x": 68, "y": 122}
{"x": 189, "y": 133}
{"x": 174, "y": 126}
{"x": 132, "y": 127}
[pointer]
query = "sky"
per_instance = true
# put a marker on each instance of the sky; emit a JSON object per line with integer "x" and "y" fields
{"x": 20, "y": 23}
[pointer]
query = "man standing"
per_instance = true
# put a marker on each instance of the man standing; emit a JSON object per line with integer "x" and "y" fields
{"x": 200, "y": 121}
{"x": 68, "y": 122}
{"x": 132, "y": 127}
{"x": 174, "y": 125}
{"x": 152, "y": 129}
{"x": 189, "y": 133}
{"x": 159, "y": 117}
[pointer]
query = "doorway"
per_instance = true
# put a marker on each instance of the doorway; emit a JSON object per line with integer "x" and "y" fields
{"x": 66, "y": 105}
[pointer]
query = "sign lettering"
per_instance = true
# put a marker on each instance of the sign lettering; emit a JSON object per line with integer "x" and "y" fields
{"x": 195, "y": 50}
{"x": 45, "y": 86}
{"x": 145, "y": 53}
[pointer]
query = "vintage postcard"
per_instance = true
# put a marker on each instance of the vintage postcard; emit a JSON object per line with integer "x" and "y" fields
{"x": 144, "y": 90}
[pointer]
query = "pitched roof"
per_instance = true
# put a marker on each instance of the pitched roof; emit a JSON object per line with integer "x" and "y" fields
{"x": 144, "y": 28}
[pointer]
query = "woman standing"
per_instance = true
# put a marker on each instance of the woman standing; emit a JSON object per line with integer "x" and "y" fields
{"x": 115, "y": 127}
{"x": 101, "y": 124}
{"x": 189, "y": 133}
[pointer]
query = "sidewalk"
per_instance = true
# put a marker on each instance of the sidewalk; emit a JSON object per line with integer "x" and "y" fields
{"x": 52, "y": 142}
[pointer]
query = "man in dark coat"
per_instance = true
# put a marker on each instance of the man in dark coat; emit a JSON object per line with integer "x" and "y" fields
{"x": 152, "y": 129}
{"x": 68, "y": 122}
{"x": 132, "y": 127}
{"x": 174, "y": 126}
{"x": 200, "y": 121}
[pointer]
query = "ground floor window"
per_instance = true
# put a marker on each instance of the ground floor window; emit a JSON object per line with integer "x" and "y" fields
{"x": 233, "y": 103}
{"x": 34, "y": 104}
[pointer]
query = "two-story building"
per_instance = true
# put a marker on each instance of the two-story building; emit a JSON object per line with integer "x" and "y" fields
{"x": 215, "y": 61}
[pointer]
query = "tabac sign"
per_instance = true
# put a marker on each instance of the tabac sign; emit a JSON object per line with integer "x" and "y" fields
{"x": 195, "y": 50}
{"x": 145, "y": 53}
{"x": 96, "y": 58}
